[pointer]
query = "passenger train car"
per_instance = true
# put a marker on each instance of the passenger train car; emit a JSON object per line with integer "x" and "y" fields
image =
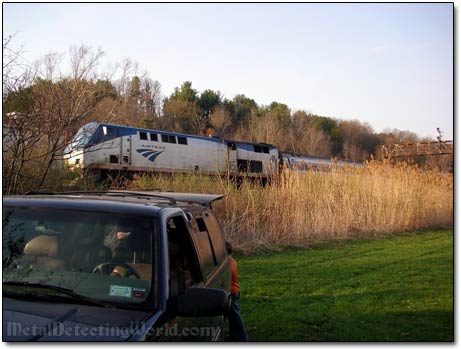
{"x": 296, "y": 162}
{"x": 103, "y": 148}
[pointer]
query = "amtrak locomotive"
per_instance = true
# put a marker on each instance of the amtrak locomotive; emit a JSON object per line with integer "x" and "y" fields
{"x": 104, "y": 148}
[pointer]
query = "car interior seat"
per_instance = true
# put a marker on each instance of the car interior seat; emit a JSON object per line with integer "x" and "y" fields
{"x": 43, "y": 250}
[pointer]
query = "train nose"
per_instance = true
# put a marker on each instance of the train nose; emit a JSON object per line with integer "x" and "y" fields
{"x": 75, "y": 160}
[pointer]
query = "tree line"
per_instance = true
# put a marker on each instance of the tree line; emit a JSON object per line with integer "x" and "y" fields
{"x": 45, "y": 102}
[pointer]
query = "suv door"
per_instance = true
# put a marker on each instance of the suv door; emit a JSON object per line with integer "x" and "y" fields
{"x": 219, "y": 275}
{"x": 184, "y": 270}
{"x": 213, "y": 257}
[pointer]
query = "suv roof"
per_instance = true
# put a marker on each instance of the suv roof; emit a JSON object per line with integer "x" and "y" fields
{"x": 140, "y": 202}
{"x": 170, "y": 198}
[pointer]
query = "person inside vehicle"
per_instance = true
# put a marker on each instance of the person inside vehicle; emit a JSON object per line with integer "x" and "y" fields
{"x": 88, "y": 251}
{"x": 120, "y": 243}
{"x": 179, "y": 273}
{"x": 116, "y": 238}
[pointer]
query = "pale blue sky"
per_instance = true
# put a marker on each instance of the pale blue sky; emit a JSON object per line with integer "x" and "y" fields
{"x": 387, "y": 64}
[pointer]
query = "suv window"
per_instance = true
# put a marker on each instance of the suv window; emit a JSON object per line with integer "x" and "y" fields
{"x": 184, "y": 271}
{"x": 216, "y": 236}
{"x": 205, "y": 249}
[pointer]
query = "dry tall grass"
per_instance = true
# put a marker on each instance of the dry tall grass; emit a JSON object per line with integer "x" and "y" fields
{"x": 312, "y": 206}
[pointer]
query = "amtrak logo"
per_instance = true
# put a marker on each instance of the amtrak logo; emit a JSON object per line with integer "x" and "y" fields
{"x": 149, "y": 154}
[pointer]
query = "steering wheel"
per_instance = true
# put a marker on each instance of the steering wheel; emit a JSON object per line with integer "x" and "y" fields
{"x": 108, "y": 268}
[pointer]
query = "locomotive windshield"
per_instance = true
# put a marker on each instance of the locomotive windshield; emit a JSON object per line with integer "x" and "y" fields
{"x": 82, "y": 137}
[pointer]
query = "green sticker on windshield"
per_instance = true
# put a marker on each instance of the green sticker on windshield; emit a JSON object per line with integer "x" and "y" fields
{"x": 120, "y": 291}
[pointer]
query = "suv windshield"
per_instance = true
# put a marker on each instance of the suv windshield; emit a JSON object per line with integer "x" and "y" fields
{"x": 100, "y": 256}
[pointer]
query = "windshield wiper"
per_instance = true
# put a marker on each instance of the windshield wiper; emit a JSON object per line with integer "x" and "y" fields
{"x": 62, "y": 290}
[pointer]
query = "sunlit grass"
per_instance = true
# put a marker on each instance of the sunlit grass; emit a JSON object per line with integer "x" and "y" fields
{"x": 394, "y": 289}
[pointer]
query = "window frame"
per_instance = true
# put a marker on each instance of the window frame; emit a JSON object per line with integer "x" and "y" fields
{"x": 143, "y": 136}
{"x": 191, "y": 240}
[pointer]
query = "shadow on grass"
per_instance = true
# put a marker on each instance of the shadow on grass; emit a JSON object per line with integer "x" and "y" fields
{"x": 358, "y": 238}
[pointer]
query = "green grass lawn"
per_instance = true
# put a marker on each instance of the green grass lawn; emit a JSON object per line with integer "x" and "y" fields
{"x": 396, "y": 289}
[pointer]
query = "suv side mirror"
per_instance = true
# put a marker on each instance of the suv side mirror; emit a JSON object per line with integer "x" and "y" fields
{"x": 198, "y": 301}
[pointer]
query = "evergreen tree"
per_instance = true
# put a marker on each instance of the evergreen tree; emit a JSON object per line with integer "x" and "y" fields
{"x": 135, "y": 87}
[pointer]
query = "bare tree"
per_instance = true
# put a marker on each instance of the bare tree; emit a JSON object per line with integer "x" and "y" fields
{"x": 17, "y": 72}
{"x": 220, "y": 120}
{"x": 20, "y": 138}
{"x": 17, "y": 131}
{"x": 266, "y": 128}
{"x": 128, "y": 68}
{"x": 65, "y": 104}
{"x": 53, "y": 107}
{"x": 313, "y": 142}
{"x": 307, "y": 139}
